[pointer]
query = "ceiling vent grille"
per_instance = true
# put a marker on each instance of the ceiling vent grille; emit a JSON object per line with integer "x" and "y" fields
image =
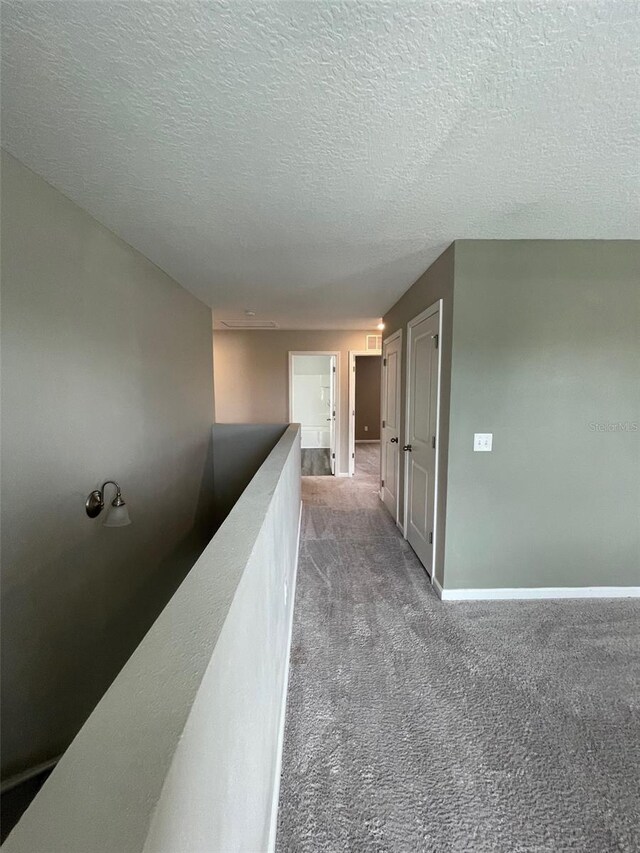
{"x": 374, "y": 343}
{"x": 249, "y": 324}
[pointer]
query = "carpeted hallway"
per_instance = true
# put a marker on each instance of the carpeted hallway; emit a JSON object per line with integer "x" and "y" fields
{"x": 414, "y": 725}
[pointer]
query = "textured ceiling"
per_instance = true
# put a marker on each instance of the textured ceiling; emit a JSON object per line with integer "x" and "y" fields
{"x": 309, "y": 160}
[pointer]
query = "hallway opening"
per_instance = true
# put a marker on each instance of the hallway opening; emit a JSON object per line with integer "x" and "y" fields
{"x": 367, "y": 461}
{"x": 364, "y": 410}
{"x": 313, "y": 403}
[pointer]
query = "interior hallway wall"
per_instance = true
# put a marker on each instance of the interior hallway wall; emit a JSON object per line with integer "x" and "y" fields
{"x": 436, "y": 283}
{"x": 546, "y": 356}
{"x": 368, "y": 397}
{"x": 541, "y": 347}
{"x": 106, "y": 373}
{"x": 251, "y": 370}
{"x": 239, "y": 450}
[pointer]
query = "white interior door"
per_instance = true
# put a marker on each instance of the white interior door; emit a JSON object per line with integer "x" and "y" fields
{"x": 332, "y": 413}
{"x": 420, "y": 449}
{"x": 390, "y": 429}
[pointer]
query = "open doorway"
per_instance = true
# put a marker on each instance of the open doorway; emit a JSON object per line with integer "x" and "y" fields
{"x": 313, "y": 403}
{"x": 364, "y": 408}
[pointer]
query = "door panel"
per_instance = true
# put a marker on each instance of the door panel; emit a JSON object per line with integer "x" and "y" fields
{"x": 390, "y": 432}
{"x": 421, "y": 368}
{"x": 393, "y": 383}
{"x": 390, "y": 477}
{"x": 421, "y": 433}
{"x": 418, "y": 503}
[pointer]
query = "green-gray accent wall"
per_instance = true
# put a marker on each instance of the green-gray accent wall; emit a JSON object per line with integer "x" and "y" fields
{"x": 541, "y": 347}
{"x": 546, "y": 356}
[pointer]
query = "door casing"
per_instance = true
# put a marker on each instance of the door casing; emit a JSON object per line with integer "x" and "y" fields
{"x": 336, "y": 397}
{"x": 437, "y": 307}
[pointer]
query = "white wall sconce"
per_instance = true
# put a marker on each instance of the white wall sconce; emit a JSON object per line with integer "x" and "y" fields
{"x": 117, "y": 515}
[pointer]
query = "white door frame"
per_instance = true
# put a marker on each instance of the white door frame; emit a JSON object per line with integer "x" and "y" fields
{"x": 432, "y": 309}
{"x": 353, "y": 354}
{"x": 336, "y": 397}
{"x": 396, "y": 334}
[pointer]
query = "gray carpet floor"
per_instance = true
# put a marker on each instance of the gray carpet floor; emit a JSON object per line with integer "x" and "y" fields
{"x": 414, "y": 725}
{"x": 316, "y": 462}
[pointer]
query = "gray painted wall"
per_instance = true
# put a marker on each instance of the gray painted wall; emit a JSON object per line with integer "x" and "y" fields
{"x": 252, "y": 375}
{"x": 368, "y": 397}
{"x": 436, "y": 283}
{"x": 546, "y": 353}
{"x": 238, "y": 451}
{"x": 183, "y": 751}
{"x": 222, "y": 790}
{"x": 106, "y": 373}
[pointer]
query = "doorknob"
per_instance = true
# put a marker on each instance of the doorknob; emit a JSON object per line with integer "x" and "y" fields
{"x": 407, "y": 447}
{"x": 393, "y": 440}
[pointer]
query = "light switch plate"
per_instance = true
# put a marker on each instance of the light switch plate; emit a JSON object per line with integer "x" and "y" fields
{"x": 482, "y": 442}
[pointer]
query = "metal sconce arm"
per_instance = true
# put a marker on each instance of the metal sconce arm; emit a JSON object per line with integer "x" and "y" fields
{"x": 95, "y": 502}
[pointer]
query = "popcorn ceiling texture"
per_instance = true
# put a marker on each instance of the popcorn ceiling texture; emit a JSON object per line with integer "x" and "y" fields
{"x": 412, "y": 725}
{"x": 310, "y": 160}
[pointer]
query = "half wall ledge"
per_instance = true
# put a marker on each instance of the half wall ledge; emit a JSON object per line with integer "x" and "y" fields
{"x": 183, "y": 751}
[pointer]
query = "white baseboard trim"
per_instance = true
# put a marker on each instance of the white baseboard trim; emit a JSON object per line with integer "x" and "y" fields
{"x": 273, "y": 821}
{"x": 342, "y": 474}
{"x": 536, "y": 592}
{"x": 400, "y": 527}
{"x": 368, "y": 441}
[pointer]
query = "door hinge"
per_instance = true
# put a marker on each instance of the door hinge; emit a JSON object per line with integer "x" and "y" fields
{"x": 436, "y": 338}
{"x": 433, "y": 442}
{"x": 384, "y": 423}
{"x": 334, "y": 370}
{"x": 384, "y": 362}
{"x": 382, "y": 482}
{"x": 354, "y": 368}
{"x": 353, "y": 455}
{"x": 333, "y": 455}
{"x": 431, "y": 538}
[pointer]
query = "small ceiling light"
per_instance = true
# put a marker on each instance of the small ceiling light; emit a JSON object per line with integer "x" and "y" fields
{"x": 118, "y": 514}
{"x": 380, "y": 326}
{"x": 250, "y": 312}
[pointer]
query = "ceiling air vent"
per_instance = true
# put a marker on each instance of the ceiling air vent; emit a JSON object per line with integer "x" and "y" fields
{"x": 374, "y": 343}
{"x": 246, "y": 323}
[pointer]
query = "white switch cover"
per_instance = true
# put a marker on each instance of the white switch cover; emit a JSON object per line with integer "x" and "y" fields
{"x": 482, "y": 441}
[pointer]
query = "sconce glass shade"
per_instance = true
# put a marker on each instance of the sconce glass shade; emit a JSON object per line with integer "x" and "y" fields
{"x": 117, "y": 512}
{"x": 117, "y": 516}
